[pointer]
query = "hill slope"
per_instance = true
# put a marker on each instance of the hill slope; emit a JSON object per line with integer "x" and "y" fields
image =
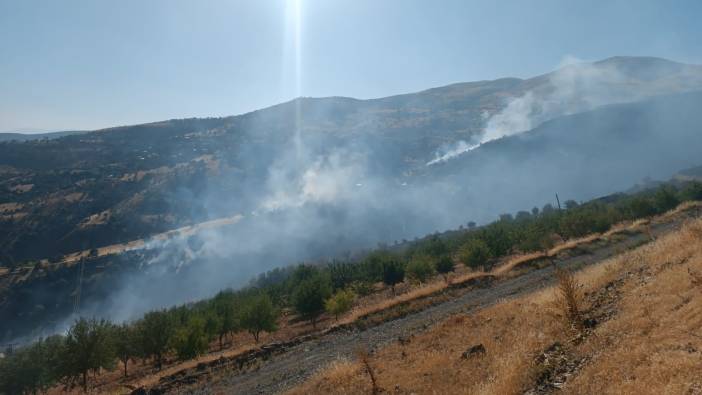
{"x": 643, "y": 309}
{"x": 120, "y": 184}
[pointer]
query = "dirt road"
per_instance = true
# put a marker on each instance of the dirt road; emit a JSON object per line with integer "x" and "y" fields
{"x": 284, "y": 370}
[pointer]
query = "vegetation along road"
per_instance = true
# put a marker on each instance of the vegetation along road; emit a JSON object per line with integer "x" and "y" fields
{"x": 291, "y": 366}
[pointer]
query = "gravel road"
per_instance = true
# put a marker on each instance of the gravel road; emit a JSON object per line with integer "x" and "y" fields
{"x": 285, "y": 370}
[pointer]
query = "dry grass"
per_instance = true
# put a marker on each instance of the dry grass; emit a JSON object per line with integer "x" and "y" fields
{"x": 539, "y": 305}
{"x": 569, "y": 301}
{"x": 371, "y": 305}
{"x": 652, "y": 344}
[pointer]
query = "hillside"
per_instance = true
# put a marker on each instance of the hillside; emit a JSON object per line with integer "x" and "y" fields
{"x": 115, "y": 185}
{"x": 512, "y": 246}
{"x": 14, "y": 136}
{"x": 640, "y": 315}
{"x": 348, "y": 188}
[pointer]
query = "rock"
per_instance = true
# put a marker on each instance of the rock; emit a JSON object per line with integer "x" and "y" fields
{"x": 589, "y": 323}
{"x": 478, "y": 349}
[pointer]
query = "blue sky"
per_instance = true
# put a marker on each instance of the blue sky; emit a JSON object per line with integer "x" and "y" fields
{"x": 91, "y": 64}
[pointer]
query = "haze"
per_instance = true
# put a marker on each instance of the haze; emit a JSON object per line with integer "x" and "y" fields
{"x": 86, "y": 65}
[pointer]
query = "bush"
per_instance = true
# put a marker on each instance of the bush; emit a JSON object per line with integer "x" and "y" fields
{"x": 259, "y": 315}
{"x": 227, "y": 319}
{"x": 665, "y": 198}
{"x": 309, "y": 296}
{"x": 34, "y": 368}
{"x": 362, "y": 288}
{"x": 340, "y": 303}
{"x": 393, "y": 273}
{"x": 420, "y": 268}
{"x": 126, "y": 344}
{"x": 693, "y": 191}
{"x": 474, "y": 253}
{"x": 444, "y": 266}
{"x": 89, "y": 346}
{"x": 155, "y": 331}
{"x": 191, "y": 340}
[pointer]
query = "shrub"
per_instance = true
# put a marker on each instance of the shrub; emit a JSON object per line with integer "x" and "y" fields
{"x": 420, "y": 268}
{"x": 259, "y": 315}
{"x": 155, "y": 331}
{"x": 340, "y": 303}
{"x": 474, "y": 253}
{"x": 309, "y": 297}
{"x": 444, "y": 266}
{"x": 393, "y": 273}
{"x": 665, "y": 198}
{"x": 125, "y": 337}
{"x": 89, "y": 346}
{"x": 362, "y": 288}
{"x": 191, "y": 340}
{"x": 569, "y": 301}
{"x": 693, "y": 191}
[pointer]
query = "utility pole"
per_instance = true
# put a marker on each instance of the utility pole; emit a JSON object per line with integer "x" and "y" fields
{"x": 559, "y": 202}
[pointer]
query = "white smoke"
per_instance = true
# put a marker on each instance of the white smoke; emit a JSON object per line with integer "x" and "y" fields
{"x": 457, "y": 149}
{"x": 325, "y": 180}
{"x": 574, "y": 87}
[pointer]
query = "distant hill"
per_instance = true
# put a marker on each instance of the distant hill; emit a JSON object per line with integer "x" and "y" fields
{"x": 12, "y": 136}
{"x": 87, "y": 189}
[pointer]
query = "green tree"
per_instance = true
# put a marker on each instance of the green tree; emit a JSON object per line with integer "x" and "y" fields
{"x": 126, "y": 344}
{"x": 420, "y": 268}
{"x": 474, "y": 253}
{"x": 34, "y": 368}
{"x": 89, "y": 347}
{"x": 692, "y": 191}
{"x": 444, "y": 266}
{"x": 340, "y": 303}
{"x": 258, "y": 315}
{"x": 342, "y": 274}
{"x": 155, "y": 331}
{"x": 228, "y": 321}
{"x": 309, "y": 296}
{"x": 393, "y": 273}
{"x": 665, "y": 198}
{"x": 570, "y": 204}
{"x": 191, "y": 340}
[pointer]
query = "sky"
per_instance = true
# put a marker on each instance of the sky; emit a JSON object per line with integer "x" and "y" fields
{"x": 89, "y": 64}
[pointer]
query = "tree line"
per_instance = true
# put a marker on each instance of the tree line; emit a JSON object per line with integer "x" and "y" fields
{"x": 94, "y": 345}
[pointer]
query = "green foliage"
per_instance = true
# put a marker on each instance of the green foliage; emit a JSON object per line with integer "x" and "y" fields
{"x": 393, "y": 272}
{"x": 126, "y": 344}
{"x": 34, "y": 368}
{"x": 309, "y": 296}
{"x": 474, "y": 253}
{"x": 93, "y": 344}
{"x": 224, "y": 309}
{"x": 639, "y": 207}
{"x": 191, "y": 340}
{"x": 433, "y": 246}
{"x": 444, "y": 265}
{"x": 342, "y": 274}
{"x": 362, "y": 288}
{"x": 420, "y": 268}
{"x": 340, "y": 303}
{"x": 692, "y": 191}
{"x": 665, "y": 198}
{"x": 155, "y": 331}
{"x": 89, "y": 347}
{"x": 258, "y": 315}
